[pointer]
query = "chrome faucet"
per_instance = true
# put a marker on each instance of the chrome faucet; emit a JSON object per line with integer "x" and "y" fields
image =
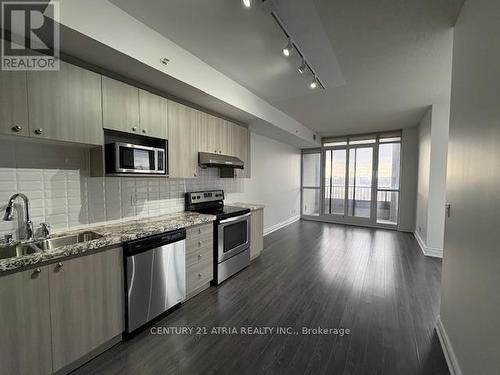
{"x": 9, "y": 215}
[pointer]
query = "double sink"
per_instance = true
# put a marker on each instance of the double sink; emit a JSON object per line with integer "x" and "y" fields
{"x": 20, "y": 249}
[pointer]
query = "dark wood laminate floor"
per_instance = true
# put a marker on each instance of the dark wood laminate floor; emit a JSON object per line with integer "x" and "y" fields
{"x": 375, "y": 282}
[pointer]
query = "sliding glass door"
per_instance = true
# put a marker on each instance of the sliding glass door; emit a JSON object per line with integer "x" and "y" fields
{"x": 360, "y": 180}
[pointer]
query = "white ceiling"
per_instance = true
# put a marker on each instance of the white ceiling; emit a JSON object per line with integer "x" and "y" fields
{"x": 384, "y": 63}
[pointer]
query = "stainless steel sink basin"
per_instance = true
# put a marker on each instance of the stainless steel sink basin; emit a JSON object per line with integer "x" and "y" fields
{"x": 17, "y": 250}
{"x": 54, "y": 243}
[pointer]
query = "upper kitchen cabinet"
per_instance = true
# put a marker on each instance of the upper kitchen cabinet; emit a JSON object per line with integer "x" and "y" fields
{"x": 183, "y": 140}
{"x": 65, "y": 105}
{"x": 128, "y": 109}
{"x": 13, "y": 103}
{"x": 241, "y": 147}
{"x": 153, "y": 115}
{"x": 216, "y": 135}
{"x": 208, "y": 133}
{"x": 120, "y": 106}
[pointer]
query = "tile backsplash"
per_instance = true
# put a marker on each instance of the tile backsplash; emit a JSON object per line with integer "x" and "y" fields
{"x": 56, "y": 180}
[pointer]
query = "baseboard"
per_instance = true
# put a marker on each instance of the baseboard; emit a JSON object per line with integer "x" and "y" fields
{"x": 426, "y": 250}
{"x": 449, "y": 354}
{"x": 275, "y": 227}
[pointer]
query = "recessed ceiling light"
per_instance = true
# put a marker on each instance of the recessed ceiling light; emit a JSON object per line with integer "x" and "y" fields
{"x": 287, "y": 50}
{"x": 313, "y": 84}
{"x": 247, "y": 3}
{"x": 302, "y": 68}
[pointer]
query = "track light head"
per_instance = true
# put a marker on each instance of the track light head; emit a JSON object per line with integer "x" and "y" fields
{"x": 314, "y": 84}
{"x": 302, "y": 67}
{"x": 247, "y": 3}
{"x": 287, "y": 50}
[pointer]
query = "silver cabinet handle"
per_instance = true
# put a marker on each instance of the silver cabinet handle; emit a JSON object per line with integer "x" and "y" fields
{"x": 17, "y": 128}
{"x": 59, "y": 266}
{"x": 38, "y": 131}
{"x": 199, "y": 230}
{"x": 134, "y": 128}
{"x": 199, "y": 276}
{"x": 199, "y": 256}
{"x": 200, "y": 243}
{"x": 37, "y": 270}
{"x": 144, "y": 131}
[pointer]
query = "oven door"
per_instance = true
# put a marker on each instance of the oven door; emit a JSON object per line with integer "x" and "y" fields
{"x": 135, "y": 158}
{"x": 233, "y": 236}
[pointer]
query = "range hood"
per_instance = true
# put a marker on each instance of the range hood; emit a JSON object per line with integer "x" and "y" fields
{"x": 226, "y": 163}
{"x": 209, "y": 160}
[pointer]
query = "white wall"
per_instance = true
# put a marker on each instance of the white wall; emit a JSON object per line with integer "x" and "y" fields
{"x": 431, "y": 197}
{"x": 470, "y": 302}
{"x": 424, "y": 166}
{"x": 409, "y": 178}
{"x": 275, "y": 180}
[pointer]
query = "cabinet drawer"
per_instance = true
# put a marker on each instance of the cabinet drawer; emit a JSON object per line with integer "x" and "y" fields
{"x": 199, "y": 255}
{"x": 193, "y": 244}
{"x": 199, "y": 230}
{"x": 199, "y": 274}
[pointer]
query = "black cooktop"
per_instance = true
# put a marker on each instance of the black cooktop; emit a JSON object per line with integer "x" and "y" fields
{"x": 223, "y": 212}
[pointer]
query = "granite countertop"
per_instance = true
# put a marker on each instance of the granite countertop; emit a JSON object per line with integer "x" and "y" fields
{"x": 113, "y": 234}
{"x": 251, "y": 206}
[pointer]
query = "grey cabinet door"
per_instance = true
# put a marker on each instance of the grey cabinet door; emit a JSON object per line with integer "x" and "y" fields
{"x": 257, "y": 233}
{"x": 65, "y": 105}
{"x": 152, "y": 115}
{"x": 86, "y": 300}
{"x": 183, "y": 140}
{"x": 13, "y": 103}
{"x": 120, "y": 106}
{"x": 24, "y": 311}
{"x": 241, "y": 148}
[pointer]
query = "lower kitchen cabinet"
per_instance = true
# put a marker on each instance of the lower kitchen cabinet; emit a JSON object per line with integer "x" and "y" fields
{"x": 86, "y": 302}
{"x": 257, "y": 233}
{"x": 199, "y": 258}
{"x": 25, "y": 321}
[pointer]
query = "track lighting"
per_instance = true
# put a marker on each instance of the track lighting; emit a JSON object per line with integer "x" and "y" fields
{"x": 313, "y": 84}
{"x": 302, "y": 67}
{"x": 287, "y": 50}
{"x": 247, "y": 3}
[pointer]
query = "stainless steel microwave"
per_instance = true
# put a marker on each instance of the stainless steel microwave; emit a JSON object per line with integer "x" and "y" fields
{"x": 129, "y": 158}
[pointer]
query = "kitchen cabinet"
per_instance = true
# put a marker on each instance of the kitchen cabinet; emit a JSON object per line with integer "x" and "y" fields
{"x": 199, "y": 258}
{"x": 208, "y": 133}
{"x": 128, "y": 109}
{"x": 183, "y": 140}
{"x": 65, "y": 105}
{"x": 86, "y": 301}
{"x": 25, "y": 340}
{"x": 13, "y": 103}
{"x": 153, "y": 113}
{"x": 120, "y": 106}
{"x": 241, "y": 147}
{"x": 257, "y": 233}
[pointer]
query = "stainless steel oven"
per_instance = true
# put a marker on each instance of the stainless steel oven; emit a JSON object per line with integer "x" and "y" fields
{"x": 130, "y": 158}
{"x": 233, "y": 236}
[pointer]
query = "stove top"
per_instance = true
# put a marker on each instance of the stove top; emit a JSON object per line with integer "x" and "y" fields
{"x": 212, "y": 203}
{"x": 222, "y": 212}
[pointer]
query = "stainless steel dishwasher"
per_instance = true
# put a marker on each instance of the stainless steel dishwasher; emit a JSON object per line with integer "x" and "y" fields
{"x": 155, "y": 269}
